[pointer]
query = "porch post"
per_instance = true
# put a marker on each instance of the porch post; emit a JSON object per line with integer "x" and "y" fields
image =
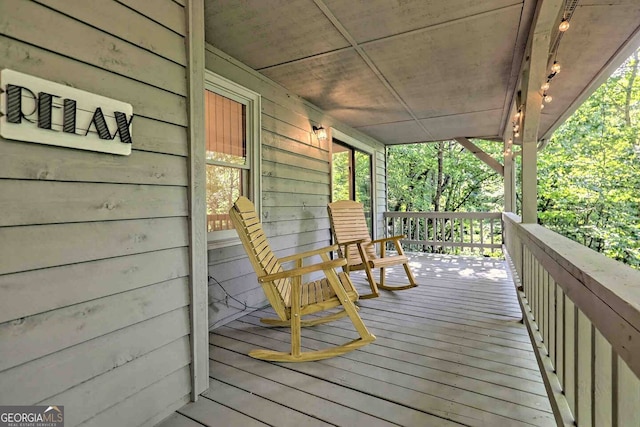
{"x": 197, "y": 205}
{"x": 538, "y": 49}
{"x": 509, "y": 176}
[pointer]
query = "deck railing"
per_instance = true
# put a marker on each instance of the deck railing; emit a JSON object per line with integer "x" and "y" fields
{"x": 447, "y": 231}
{"x": 583, "y": 312}
{"x": 218, "y": 222}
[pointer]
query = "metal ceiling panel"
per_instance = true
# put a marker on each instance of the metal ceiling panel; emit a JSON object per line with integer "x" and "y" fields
{"x": 375, "y": 19}
{"x": 263, "y": 33}
{"x": 459, "y": 68}
{"x": 395, "y": 133}
{"x": 483, "y": 124}
{"x": 343, "y": 85}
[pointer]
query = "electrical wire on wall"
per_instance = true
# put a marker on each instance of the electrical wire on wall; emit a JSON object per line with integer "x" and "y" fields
{"x": 225, "y": 301}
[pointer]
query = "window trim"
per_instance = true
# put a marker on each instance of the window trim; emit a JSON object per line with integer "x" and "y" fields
{"x": 253, "y": 102}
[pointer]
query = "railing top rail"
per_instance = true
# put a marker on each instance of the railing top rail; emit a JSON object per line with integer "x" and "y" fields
{"x": 472, "y": 215}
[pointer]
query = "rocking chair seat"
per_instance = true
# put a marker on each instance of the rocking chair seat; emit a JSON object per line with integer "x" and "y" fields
{"x": 388, "y": 261}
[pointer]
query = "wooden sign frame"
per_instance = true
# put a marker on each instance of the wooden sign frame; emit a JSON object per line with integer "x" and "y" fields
{"x": 37, "y": 110}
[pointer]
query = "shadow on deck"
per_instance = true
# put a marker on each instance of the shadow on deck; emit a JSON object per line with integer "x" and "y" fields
{"x": 449, "y": 352}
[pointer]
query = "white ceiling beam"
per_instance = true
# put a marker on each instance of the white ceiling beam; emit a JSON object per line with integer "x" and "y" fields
{"x": 517, "y": 63}
{"x": 482, "y": 155}
{"x": 537, "y": 53}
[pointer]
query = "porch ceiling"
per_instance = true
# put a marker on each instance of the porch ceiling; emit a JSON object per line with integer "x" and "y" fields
{"x": 415, "y": 71}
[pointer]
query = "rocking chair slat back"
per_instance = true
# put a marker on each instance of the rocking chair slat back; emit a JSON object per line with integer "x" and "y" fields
{"x": 348, "y": 224}
{"x": 262, "y": 258}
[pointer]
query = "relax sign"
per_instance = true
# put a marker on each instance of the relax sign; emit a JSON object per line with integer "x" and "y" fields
{"x": 37, "y": 110}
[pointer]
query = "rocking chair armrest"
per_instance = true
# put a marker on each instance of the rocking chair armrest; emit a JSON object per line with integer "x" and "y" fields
{"x": 388, "y": 239}
{"x": 339, "y": 262}
{"x": 353, "y": 242}
{"x": 308, "y": 254}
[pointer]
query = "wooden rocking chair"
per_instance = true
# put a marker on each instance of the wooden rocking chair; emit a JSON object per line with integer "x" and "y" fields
{"x": 352, "y": 237}
{"x": 290, "y": 297}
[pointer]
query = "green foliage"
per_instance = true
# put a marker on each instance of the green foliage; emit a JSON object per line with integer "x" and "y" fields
{"x": 465, "y": 184}
{"x": 340, "y": 170}
{"x": 588, "y": 175}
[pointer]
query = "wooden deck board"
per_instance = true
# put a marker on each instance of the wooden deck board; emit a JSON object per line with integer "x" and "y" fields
{"x": 389, "y": 375}
{"x": 449, "y": 352}
{"x": 274, "y": 408}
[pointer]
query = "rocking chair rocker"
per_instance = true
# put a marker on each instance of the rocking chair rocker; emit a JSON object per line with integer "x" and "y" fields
{"x": 290, "y": 297}
{"x": 354, "y": 241}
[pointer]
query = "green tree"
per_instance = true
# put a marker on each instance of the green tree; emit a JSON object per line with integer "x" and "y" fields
{"x": 588, "y": 177}
{"x": 442, "y": 176}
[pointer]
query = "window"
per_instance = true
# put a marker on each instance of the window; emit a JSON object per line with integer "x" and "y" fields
{"x": 232, "y": 130}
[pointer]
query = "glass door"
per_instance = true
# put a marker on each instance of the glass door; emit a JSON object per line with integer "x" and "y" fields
{"x": 351, "y": 176}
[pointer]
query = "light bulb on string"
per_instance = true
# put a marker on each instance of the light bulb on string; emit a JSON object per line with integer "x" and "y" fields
{"x": 542, "y": 106}
{"x": 547, "y": 98}
{"x": 555, "y": 68}
{"x": 564, "y": 25}
{"x": 517, "y": 134}
{"x": 518, "y": 114}
{"x": 545, "y": 86}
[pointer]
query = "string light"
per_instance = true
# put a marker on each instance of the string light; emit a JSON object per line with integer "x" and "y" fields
{"x": 564, "y": 25}
{"x": 516, "y": 122}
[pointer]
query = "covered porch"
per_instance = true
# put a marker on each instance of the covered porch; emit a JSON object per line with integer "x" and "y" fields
{"x": 452, "y": 351}
{"x": 106, "y": 308}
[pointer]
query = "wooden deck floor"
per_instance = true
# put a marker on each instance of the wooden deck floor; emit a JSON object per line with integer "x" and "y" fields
{"x": 450, "y": 352}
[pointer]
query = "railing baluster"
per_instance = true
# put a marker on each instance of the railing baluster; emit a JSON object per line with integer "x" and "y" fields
{"x": 481, "y": 235}
{"x": 570, "y": 353}
{"x": 551, "y": 316}
{"x": 545, "y": 308}
{"x": 534, "y": 285}
{"x": 491, "y": 231}
{"x": 603, "y": 381}
{"x": 628, "y": 396}
{"x": 560, "y": 338}
{"x": 525, "y": 274}
{"x": 585, "y": 352}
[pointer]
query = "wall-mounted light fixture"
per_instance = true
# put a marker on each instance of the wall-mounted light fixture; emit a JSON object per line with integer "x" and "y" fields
{"x": 321, "y": 133}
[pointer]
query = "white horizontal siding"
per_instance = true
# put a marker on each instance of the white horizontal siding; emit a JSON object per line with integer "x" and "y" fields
{"x": 94, "y": 261}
